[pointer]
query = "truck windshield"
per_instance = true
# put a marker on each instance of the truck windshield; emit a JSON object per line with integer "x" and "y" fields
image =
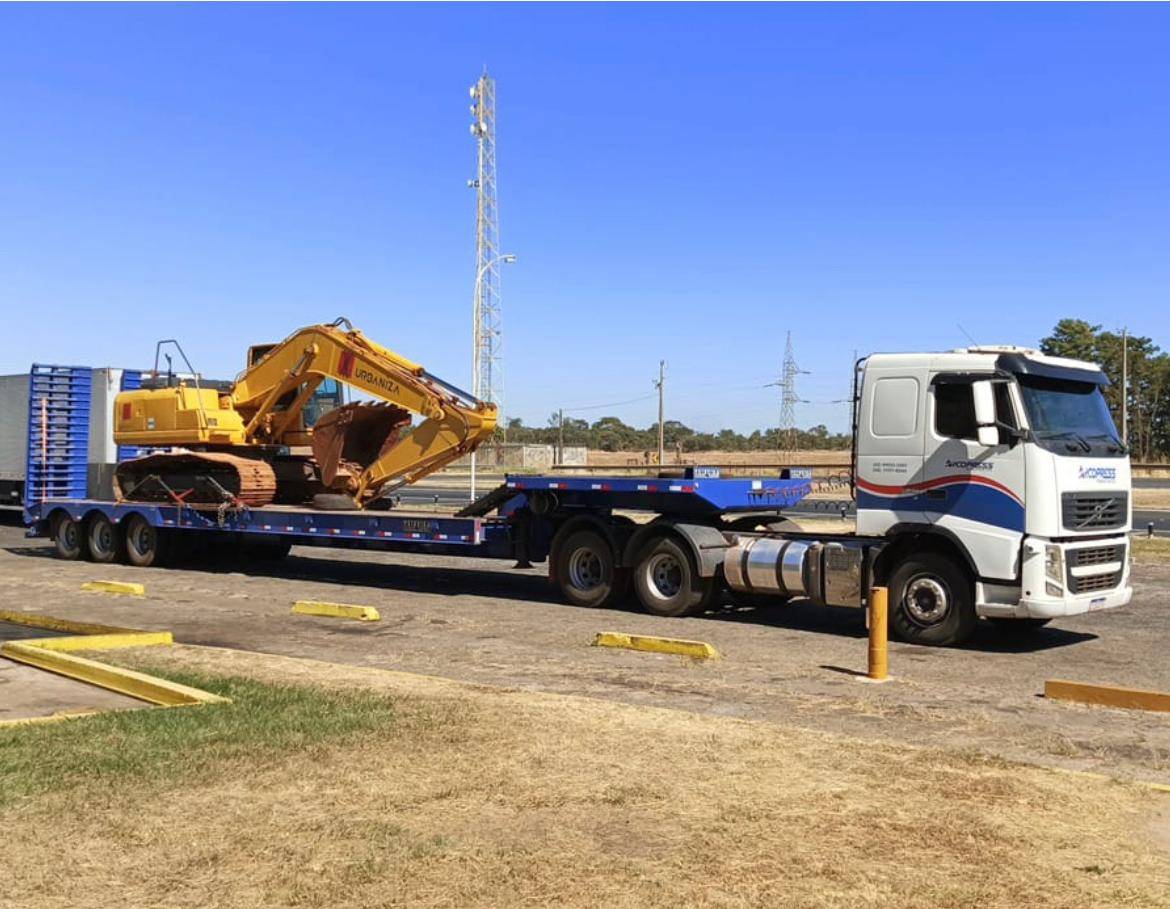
{"x": 1067, "y": 416}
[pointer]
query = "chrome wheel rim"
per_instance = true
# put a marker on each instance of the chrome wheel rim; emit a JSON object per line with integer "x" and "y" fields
{"x": 664, "y": 574}
{"x": 927, "y": 600}
{"x": 585, "y": 571}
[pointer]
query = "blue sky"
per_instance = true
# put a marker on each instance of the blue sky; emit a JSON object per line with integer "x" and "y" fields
{"x": 687, "y": 182}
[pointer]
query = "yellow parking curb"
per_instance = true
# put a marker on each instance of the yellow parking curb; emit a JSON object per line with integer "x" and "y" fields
{"x": 54, "y": 655}
{"x": 1107, "y": 695}
{"x": 120, "y": 587}
{"x": 699, "y": 650}
{"x": 336, "y": 610}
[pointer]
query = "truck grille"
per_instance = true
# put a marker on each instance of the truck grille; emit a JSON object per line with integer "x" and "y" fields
{"x": 1094, "y": 582}
{"x": 1094, "y": 510}
{"x": 1095, "y": 555}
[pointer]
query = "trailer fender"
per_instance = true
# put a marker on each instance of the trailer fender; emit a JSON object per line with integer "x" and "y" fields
{"x": 706, "y": 544}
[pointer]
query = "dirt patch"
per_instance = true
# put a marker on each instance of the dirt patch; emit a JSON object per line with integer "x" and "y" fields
{"x": 504, "y": 797}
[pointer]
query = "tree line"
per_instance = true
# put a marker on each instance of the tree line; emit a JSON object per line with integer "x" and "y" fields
{"x": 612, "y": 434}
{"x": 1149, "y": 380}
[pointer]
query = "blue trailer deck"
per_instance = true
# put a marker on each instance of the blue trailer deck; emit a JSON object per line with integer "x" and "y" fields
{"x": 578, "y": 524}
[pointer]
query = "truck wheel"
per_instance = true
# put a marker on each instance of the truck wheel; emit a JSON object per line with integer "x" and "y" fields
{"x": 67, "y": 538}
{"x": 932, "y": 601}
{"x": 103, "y": 540}
{"x": 145, "y": 544}
{"x": 586, "y": 572}
{"x": 667, "y": 582}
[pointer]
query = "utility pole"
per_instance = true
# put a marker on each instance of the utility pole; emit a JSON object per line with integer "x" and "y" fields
{"x": 561, "y": 436}
{"x": 661, "y": 386}
{"x": 1125, "y": 387}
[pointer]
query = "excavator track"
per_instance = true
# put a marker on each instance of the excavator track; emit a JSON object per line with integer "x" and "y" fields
{"x": 196, "y": 478}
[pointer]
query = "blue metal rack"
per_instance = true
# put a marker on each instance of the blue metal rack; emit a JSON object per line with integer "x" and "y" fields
{"x": 58, "y": 432}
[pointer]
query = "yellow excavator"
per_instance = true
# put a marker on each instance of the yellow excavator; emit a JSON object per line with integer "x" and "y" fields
{"x": 280, "y": 432}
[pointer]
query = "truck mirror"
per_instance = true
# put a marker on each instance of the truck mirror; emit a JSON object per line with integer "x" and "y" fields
{"x": 984, "y": 395}
{"x": 988, "y": 436}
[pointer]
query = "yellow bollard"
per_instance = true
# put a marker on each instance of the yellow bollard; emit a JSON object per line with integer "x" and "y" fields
{"x": 879, "y": 661}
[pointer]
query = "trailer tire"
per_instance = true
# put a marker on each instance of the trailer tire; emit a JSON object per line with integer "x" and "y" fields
{"x": 103, "y": 540}
{"x": 932, "y": 601}
{"x": 146, "y": 545}
{"x": 586, "y": 571}
{"x": 667, "y": 582}
{"x": 67, "y": 538}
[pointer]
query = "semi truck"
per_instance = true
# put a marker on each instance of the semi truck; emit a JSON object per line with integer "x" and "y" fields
{"x": 989, "y": 483}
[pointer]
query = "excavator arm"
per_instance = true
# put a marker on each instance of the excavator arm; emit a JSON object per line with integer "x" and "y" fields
{"x": 454, "y": 423}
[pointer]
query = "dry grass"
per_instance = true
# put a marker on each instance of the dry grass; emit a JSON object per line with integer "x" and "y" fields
{"x": 1151, "y": 498}
{"x": 488, "y": 797}
{"x": 1151, "y": 550}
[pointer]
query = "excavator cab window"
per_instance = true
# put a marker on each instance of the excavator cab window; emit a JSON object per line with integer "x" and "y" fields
{"x": 327, "y": 396}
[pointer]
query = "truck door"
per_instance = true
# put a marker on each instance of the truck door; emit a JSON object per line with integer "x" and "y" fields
{"x": 890, "y": 448}
{"x": 972, "y": 490}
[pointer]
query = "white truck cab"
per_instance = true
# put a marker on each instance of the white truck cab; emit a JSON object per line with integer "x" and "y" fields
{"x": 998, "y": 479}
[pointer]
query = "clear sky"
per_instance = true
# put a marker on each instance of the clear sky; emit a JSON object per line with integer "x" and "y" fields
{"x": 678, "y": 182}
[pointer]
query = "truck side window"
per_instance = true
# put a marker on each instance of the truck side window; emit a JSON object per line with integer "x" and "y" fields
{"x": 895, "y": 407}
{"x": 954, "y": 410}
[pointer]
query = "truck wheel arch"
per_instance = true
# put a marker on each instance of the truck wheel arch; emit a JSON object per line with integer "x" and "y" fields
{"x": 907, "y": 538}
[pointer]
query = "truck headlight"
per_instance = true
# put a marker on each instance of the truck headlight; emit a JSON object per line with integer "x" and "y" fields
{"x": 1053, "y": 570}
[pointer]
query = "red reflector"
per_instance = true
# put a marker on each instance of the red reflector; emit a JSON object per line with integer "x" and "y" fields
{"x": 688, "y": 489}
{"x": 126, "y": 410}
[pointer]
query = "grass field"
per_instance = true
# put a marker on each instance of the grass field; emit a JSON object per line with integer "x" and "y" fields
{"x": 424, "y": 792}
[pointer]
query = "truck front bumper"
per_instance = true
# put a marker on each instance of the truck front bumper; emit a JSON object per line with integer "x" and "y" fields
{"x": 1064, "y": 579}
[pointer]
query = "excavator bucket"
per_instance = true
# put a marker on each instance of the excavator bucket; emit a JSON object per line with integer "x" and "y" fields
{"x": 348, "y": 439}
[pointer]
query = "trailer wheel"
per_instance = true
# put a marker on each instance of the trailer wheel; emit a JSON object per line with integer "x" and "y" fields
{"x": 145, "y": 544}
{"x": 932, "y": 601}
{"x": 103, "y": 540}
{"x": 67, "y": 539}
{"x": 586, "y": 572}
{"x": 667, "y": 582}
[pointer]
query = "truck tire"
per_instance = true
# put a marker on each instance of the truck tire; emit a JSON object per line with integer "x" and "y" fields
{"x": 667, "y": 582}
{"x": 67, "y": 538}
{"x": 146, "y": 545}
{"x": 103, "y": 540}
{"x": 586, "y": 571}
{"x": 932, "y": 601}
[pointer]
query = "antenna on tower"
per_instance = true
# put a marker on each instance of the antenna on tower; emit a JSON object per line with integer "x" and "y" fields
{"x": 487, "y": 379}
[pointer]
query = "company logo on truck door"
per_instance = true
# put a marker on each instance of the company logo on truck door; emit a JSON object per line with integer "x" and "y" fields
{"x": 969, "y": 496}
{"x": 1101, "y": 474}
{"x": 971, "y": 465}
